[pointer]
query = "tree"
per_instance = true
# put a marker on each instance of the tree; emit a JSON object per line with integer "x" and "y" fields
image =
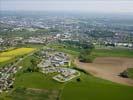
{"x": 33, "y": 67}
{"x": 85, "y": 55}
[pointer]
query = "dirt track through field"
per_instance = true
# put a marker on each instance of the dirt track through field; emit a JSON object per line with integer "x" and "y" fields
{"x": 108, "y": 68}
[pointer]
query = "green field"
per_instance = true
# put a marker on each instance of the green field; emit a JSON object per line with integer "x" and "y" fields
{"x": 88, "y": 88}
{"x": 91, "y": 88}
{"x": 35, "y": 94}
{"x": 36, "y": 80}
{"x": 113, "y": 53}
{"x": 66, "y": 49}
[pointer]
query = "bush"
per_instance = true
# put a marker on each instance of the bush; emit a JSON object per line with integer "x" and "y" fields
{"x": 124, "y": 74}
{"x": 78, "y": 79}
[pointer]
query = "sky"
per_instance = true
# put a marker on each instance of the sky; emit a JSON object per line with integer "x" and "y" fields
{"x": 111, "y": 6}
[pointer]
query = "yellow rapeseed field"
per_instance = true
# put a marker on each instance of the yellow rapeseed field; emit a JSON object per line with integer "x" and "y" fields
{"x": 2, "y": 59}
{"x": 4, "y": 56}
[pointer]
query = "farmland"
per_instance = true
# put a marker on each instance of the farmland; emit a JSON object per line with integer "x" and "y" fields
{"x": 29, "y": 84}
{"x": 2, "y": 59}
{"x": 7, "y": 55}
{"x": 108, "y": 68}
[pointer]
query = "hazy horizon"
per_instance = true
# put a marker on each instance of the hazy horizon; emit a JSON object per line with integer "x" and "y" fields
{"x": 85, "y": 6}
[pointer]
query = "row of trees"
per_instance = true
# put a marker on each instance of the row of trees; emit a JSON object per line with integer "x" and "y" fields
{"x": 86, "y": 52}
{"x": 78, "y": 44}
{"x": 84, "y": 48}
{"x": 85, "y": 55}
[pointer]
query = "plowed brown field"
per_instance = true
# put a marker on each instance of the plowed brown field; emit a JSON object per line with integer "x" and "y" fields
{"x": 108, "y": 68}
